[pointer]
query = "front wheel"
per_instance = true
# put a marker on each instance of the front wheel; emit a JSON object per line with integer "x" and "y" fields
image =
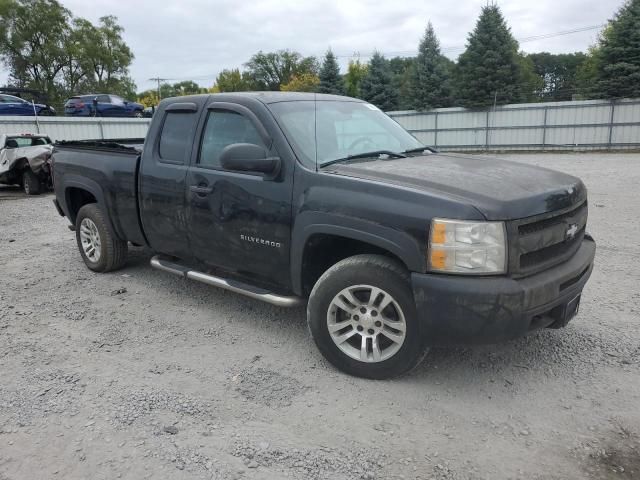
{"x": 101, "y": 250}
{"x": 362, "y": 317}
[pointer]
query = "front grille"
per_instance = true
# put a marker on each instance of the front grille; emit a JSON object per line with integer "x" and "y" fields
{"x": 541, "y": 242}
{"x": 546, "y": 254}
{"x": 550, "y": 222}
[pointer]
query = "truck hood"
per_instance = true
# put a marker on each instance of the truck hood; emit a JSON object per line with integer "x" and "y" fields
{"x": 499, "y": 189}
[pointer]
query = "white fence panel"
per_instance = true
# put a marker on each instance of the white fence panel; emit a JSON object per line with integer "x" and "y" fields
{"x": 589, "y": 124}
{"x": 66, "y": 128}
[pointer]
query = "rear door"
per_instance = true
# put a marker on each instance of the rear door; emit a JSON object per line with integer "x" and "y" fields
{"x": 105, "y": 107}
{"x": 237, "y": 221}
{"x": 162, "y": 179}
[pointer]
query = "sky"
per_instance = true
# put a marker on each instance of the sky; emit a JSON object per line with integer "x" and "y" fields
{"x": 196, "y": 39}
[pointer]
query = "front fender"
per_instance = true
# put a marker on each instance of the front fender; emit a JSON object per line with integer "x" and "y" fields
{"x": 397, "y": 242}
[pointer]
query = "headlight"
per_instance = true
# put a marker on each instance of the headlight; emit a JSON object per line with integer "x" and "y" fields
{"x": 459, "y": 246}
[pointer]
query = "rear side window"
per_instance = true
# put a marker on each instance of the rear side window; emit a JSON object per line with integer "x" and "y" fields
{"x": 175, "y": 137}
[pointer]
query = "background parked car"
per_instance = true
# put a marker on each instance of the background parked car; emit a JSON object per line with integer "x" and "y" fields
{"x": 149, "y": 111}
{"x": 11, "y": 105}
{"x": 102, "y": 105}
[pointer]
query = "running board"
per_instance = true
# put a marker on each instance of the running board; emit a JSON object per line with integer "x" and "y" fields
{"x": 235, "y": 286}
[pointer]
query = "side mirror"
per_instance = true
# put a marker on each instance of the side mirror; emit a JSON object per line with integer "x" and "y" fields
{"x": 247, "y": 157}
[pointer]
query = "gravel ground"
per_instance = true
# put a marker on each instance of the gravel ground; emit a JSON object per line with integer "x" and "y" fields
{"x": 138, "y": 374}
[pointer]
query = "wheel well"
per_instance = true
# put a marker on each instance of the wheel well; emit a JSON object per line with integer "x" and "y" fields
{"x": 76, "y": 199}
{"x": 322, "y": 251}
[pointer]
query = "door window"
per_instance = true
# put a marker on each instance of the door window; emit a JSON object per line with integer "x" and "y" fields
{"x": 223, "y": 128}
{"x": 175, "y": 136}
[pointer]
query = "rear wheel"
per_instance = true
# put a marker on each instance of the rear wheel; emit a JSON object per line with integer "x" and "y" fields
{"x": 362, "y": 317}
{"x": 101, "y": 250}
{"x": 30, "y": 183}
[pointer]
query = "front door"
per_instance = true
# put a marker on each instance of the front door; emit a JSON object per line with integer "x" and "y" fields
{"x": 240, "y": 222}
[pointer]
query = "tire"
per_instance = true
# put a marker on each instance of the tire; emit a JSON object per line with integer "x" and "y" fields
{"x": 138, "y": 114}
{"x": 351, "y": 283}
{"x": 91, "y": 224}
{"x": 30, "y": 183}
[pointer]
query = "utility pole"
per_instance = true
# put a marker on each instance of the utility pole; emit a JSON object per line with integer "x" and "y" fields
{"x": 158, "y": 79}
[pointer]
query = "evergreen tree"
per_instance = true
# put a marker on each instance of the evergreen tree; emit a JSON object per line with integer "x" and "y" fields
{"x": 431, "y": 83}
{"x": 402, "y": 69}
{"x": 330, "y": 79}
{"x": 489, "y": 68}
{"x": 618, "y": 68}
{"x": 377, "y": 85}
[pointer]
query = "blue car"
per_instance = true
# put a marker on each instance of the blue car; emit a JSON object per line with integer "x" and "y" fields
{"x": 102, "y": 105}
{"x": 10, "y": 105}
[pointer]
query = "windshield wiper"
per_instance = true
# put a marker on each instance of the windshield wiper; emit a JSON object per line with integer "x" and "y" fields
{"x": 420, "y": 150}
{"x": 372, "y": 154}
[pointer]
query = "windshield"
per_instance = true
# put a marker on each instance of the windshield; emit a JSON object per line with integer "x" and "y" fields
{"x": 19, "y": 142}
{"x": 323, "y": 131}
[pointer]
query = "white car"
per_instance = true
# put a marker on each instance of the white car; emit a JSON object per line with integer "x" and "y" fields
{"x": 24, "y": 160}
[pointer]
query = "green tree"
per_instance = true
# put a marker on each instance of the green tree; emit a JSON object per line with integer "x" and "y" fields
{"x": 489, "y": 68}
{"x": 109, "y": 56}
{"x": 330, "y": 79}
{"x": 402, "y": 69}
{"x": 46, "y": 49}
{"x": 33, "y": 42}
{"x": 76, "y": 71}
{"x": 353, "y": 78}
{"x": 305, "y": 82}
{"x": 531, "y": 84}
{"x": 431, "y": 82}
{"x": 587, "y": 75}
{"x": 269, "y": 71}
{"x": 233, "y": 81}
{"x": 377, "y": 85}
{"x": 558, "y": 74}
{"x": 188, "y": 87}
{"x": 618, "y": 60}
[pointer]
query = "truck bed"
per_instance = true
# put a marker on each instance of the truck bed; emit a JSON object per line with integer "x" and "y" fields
{"x": 108, "y": 169}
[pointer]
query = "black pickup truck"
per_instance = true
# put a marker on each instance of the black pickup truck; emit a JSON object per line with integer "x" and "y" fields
{"x": 325, "y": 200}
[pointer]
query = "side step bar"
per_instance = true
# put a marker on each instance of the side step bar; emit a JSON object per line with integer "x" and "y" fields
{"x": 235, "y": 286}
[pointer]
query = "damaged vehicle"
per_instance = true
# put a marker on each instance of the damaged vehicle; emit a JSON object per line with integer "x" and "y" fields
{"x": 25, "y": 161}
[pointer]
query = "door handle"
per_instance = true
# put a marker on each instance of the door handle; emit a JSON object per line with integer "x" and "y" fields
{"x": 201, "y": 189}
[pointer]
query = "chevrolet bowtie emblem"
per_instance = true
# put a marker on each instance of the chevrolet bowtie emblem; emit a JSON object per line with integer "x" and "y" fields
{"x": 571, "y": 231}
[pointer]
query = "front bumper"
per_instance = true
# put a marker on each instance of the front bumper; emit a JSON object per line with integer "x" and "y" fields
{"x": 467, "y": 310}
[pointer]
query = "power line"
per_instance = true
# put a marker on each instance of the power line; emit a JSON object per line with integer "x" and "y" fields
{"x": 158, "y": 79}
{"x": 533, "y": 38}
